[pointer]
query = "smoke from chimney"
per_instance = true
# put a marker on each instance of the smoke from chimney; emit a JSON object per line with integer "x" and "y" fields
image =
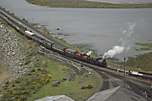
{"x": 112, "y": 52}
{"x": 124, "y": 46}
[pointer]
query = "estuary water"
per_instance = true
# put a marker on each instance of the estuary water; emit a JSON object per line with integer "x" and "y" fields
{"x": 100, "y": 28}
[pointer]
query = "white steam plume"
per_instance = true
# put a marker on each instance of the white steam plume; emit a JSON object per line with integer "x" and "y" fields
{"x": 125, "y": 42}
{"x": 112, "y": 52}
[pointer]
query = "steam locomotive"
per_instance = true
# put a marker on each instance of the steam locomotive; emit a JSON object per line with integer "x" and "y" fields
{"x": 85, "y": 57}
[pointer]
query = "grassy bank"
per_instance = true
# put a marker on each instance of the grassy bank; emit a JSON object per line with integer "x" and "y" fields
{"x": 85, "y": 4}
{"x": 41, "y": 74}
{"x": 38, "y": 82}
{"x": 143, "y": 46}
{"x": 70, "y": 84}
{"x": 141, "y": 62}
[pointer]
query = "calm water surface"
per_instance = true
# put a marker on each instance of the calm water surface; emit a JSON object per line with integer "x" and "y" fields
{"x": 100, "y": 28}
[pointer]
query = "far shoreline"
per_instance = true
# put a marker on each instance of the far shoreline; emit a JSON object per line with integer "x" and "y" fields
{"x": 89, "y": 4}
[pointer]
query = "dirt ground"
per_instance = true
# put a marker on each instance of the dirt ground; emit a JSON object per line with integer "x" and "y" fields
{"x": 3, "y": 74}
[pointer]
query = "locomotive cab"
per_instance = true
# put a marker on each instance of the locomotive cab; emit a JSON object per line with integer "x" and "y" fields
{"x": 101, "y": 62}
{"x": 104, "y": 63}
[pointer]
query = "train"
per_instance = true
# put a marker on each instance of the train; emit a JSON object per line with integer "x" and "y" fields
{"x": 84, "y": 57}
{"x": 76, "y": 54}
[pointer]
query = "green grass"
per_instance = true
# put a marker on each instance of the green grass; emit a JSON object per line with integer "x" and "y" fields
{"x": 21, "y": 88}
{"x": 86, "y": 4}
{"x": 143, "y": 46}
{"x": 70, "y": 88}
{"x": 35, "y": 84}
{"x": 59, "y": 70}
{"x": 141, "y": 62}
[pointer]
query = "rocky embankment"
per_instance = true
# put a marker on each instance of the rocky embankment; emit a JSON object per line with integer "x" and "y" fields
{"x": 11, "y": 51}
{"x": 21, "y": 75}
